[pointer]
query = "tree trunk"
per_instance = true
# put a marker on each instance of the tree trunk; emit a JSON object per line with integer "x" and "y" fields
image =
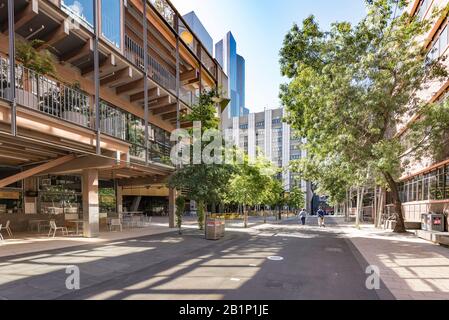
{"x": 245, "y": 216}
{"x": 360, "y": 197}
{"x": 374, "y": 212}
{"x": 400, "y": 222}
{"x": 264, "y": 215}
{"x": 380, "y": 207}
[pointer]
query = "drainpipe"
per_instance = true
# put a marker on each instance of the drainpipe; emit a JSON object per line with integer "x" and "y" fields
{"x": 145, "y": 81}
{"x": 12, "y": 69}
{"x": 97, "y": 77}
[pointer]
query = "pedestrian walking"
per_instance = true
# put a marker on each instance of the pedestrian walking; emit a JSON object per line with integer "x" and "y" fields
{"x": 302, "y": 216}
{"x": 321, "y": 215}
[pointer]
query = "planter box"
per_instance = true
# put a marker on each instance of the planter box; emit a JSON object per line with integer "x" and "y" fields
{"x": 113, "y": 126}
{"x": 27, "y": 99}
{"x": 76, "y": 117}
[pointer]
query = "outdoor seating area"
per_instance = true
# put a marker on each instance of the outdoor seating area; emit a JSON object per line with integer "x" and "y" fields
{"x": 73, "y": 227}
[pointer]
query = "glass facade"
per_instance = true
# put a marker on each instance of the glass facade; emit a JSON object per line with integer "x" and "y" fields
{"x": 128, "y": 127}
{"x": 430, "y": 186}
{"x": 110, "y": 21}
{"x": 81, "y": 9}
{"x": 60, "y": 195}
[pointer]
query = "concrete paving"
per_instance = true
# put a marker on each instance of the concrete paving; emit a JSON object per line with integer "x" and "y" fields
{"x": 315, "y": 264}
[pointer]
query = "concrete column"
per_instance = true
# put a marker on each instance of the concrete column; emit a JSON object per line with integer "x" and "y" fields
{"x": 91, "y": 208}
{"x": 171, "y": 208}
{"x": 119, "y": 199}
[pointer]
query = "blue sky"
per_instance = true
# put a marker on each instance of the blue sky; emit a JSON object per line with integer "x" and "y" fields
{"x": 259, "y": 27}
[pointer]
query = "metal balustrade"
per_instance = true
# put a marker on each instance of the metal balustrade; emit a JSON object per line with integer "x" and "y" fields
{"x": 135, "y": 53}
{"x": 188, "y": 97}
{"x": 113, "y": 121}
{"x": 46, "y": 95}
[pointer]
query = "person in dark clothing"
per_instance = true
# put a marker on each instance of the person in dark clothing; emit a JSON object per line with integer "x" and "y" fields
{"x": 321, "y": 215}
{"x": 303, "y": 216}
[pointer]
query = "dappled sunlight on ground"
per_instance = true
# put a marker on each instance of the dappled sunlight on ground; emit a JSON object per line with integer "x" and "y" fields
{"x": 410, "y": 267}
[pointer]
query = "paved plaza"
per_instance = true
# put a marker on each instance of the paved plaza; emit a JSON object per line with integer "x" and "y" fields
{"x": 273, "y": 261}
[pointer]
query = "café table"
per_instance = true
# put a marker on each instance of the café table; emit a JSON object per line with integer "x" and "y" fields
{"x": 78, "y": 224}
{"x": 38, "y": 224}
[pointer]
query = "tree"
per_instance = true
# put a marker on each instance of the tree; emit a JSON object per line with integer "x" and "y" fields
{"x": 274, "y": 195}
{"x": 353, "y": 88}
{"x": 295, "y": 199}
{"x": 180, "y": 208}
{"x": 250, "y": 184}
{"x": 203, "y": 183}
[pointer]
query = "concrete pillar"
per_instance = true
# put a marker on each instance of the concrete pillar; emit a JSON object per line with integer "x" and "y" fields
{"x": 91, "y": 208}
{"x": 119, "y": 199}
{"x": 172, "y": 208}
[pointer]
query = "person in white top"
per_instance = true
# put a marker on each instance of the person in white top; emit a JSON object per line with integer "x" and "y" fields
{"x": 303, "y": 216}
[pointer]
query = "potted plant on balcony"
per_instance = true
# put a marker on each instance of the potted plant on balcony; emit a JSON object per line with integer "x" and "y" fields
{"x": 35, "y": 65}
{"x": 75, "y": 105}
{"x": 4, "y": 83}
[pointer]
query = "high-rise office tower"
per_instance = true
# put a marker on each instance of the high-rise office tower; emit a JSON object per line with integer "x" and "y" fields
{"x": 234, "y": 67}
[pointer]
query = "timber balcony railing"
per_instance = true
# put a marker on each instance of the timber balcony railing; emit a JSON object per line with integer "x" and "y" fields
{"x": 135, "y": 53}
{"x": 188, "y": 97}
{"x": 46, "y": 95}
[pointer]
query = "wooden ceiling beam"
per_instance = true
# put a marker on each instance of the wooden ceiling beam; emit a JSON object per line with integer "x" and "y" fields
{"x": 59, "y": 34}
{"x": 23, "y": 17}
{"x": 162, "y": 102}
{"x": 134, "y": 85}
{"x": 110, "y": 61}
{"x": 78, "y": 53}
{"x": 188, "y": 76}
{"x": 153, "y": 93}
{"x": 126, "y": 73}
{"x": 36, "y": 170}
{"x": 167, "y": 109}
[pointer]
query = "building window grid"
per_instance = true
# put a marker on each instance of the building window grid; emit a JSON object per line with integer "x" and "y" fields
{"x": 439, "y": 43}
{"x": 430, "y": 186}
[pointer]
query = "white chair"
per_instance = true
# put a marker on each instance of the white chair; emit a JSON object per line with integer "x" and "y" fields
{"x": 55, "y": 228}
{"x": 7, "y": 228}
{"x": 116, "y": 223}
{"x": 1, "y": 237}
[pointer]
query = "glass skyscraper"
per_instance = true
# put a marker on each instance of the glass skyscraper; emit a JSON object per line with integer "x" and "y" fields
{"x": 234, "y": 66}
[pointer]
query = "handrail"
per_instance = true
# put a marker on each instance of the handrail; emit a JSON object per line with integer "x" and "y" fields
{"x": 135, "y": 53}
{"x": 40, "y": 93}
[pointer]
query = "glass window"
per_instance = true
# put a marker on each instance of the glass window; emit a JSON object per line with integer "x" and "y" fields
{"x": 111, "y": 21}
{"x": 81, "y": 9}
{"x": 443, "y": 40}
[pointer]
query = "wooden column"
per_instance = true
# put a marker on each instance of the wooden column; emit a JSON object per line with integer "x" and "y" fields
{"x": 91, "y": 204}
{"x": 119, "y": 199}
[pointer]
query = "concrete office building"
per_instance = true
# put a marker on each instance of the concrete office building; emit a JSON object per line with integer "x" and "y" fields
{"x": 265, "y": 134}
{"x": 425, "y": 184}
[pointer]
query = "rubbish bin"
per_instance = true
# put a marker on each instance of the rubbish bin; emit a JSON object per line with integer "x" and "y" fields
{"x": 425, "y": 222}
{"x": 214, "y": 229}
{"x": 436, "y": 222}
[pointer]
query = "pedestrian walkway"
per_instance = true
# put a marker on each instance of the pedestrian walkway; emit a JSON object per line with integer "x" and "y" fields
{"x": 411, "y": 268}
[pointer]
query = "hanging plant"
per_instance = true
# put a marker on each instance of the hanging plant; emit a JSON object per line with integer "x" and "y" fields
{"x": 39, "y": 61}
